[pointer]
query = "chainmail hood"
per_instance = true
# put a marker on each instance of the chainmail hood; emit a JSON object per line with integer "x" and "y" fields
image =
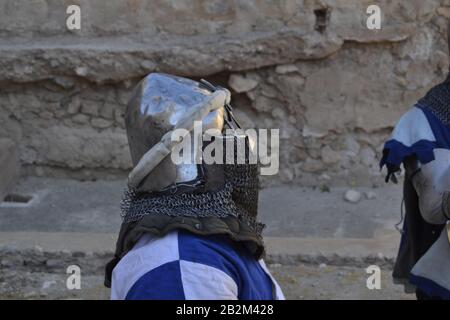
{"x": 237, "y": 197}
{"x": 437, "y": 100}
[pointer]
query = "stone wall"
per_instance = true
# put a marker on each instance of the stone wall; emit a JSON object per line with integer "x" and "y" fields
{"x": 308, "y": 67}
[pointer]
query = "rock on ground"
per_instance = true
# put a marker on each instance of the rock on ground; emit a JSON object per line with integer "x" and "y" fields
{"x": 352, "y": 196}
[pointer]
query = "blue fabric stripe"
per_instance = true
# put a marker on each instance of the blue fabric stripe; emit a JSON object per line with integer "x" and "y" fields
{"x": 430, "y": 287}
{"x": 395, "y": 152}
{"x": 208, "y": 250}
{"x": 220, "y": 252}
{"x": 161, "y": 283}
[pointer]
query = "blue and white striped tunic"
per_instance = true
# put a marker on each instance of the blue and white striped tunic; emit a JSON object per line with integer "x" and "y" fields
{"x": 185, "y": 266}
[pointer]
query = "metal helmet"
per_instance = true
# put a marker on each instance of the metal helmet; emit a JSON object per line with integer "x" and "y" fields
{"x": 160, "y": 104}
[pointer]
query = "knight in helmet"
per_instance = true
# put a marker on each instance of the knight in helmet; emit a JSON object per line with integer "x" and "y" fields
{"x": 189, "y": 229}
{"x": 421, "y": 142}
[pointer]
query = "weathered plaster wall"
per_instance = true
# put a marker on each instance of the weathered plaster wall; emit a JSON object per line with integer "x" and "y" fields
{"x": 308, "y": 67}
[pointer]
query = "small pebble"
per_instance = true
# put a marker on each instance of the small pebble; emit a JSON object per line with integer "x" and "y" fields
{"x": 370, "y": 195}
{"x": 352, "y": 196}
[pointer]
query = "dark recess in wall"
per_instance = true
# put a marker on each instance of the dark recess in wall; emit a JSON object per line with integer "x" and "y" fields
{"x": 322, "y": 16}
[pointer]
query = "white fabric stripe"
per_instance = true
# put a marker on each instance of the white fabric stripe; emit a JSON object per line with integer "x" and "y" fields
{"x": 141, "y": 260}
{"x": 412, "y": 127}
{"x": 278, "y": 293}
{"x": 202, "y": 282}
{"x": 435, "y": 263}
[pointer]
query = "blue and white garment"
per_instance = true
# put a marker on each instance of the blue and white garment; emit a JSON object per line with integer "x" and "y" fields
{"x": 419, "y": 132}
{"x": 185, "y": 266}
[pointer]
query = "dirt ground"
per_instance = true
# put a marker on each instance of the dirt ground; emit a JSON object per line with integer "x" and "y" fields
{"x": 334, "y": 283}
{"x": 310, "y": 282}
